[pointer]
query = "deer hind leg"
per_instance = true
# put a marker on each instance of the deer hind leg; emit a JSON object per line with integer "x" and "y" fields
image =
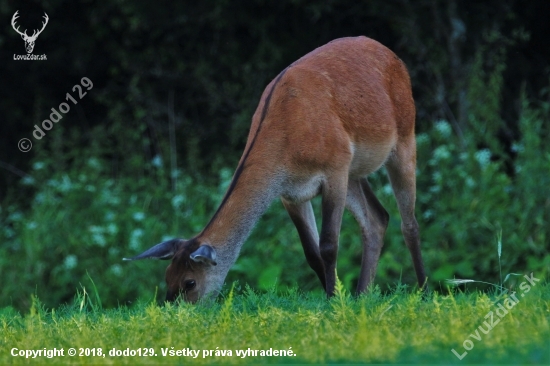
{"x": 303, "y": 218}
{"x": 373, "y": 221}
{"x": 401, "y": 167}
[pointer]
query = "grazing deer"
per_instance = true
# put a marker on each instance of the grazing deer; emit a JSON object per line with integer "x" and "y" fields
{"x": 29, "y": 40}
{"x": 322, "y": 126}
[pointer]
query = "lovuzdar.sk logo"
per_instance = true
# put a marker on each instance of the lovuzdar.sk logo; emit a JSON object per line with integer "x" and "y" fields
{"x": 29, "y": 40}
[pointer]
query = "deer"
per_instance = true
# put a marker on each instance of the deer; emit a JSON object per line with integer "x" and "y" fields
{"x": 321, "y": 127}
{"x": 29, "y": 40}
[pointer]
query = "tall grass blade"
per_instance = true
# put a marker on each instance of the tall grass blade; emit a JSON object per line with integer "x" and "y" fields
{"x": 99, "y": 306}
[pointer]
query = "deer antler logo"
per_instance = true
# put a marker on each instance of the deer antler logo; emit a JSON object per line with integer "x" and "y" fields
{"x": 29, "y": 40}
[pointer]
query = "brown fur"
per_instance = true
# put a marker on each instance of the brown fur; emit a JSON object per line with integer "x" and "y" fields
{"x": 322, "y": 126}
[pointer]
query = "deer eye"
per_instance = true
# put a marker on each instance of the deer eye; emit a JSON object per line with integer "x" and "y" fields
{"x": 189, "y": 285}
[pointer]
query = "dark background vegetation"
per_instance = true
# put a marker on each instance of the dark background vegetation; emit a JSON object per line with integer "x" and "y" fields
{"x": 148, "y": 152}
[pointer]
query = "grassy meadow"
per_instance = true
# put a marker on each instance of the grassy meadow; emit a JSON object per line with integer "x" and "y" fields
{"x": 244, "y": 326}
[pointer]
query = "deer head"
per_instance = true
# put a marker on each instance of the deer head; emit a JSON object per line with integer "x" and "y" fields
{"x": 194, "y": 271}
{"x": 29, "y": 40}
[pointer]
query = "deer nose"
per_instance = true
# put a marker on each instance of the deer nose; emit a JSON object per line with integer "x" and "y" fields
{"x": 171, "y": 295}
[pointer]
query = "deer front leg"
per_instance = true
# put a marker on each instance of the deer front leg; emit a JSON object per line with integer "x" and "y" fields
{"x": 303, "y": 218}
{"x": 334, "y": 201}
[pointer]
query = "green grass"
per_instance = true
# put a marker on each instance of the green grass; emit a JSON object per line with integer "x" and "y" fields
{"x": 397, "y": 327}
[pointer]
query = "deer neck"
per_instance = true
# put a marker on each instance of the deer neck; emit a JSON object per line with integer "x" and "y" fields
{"x": 250, "y": 193}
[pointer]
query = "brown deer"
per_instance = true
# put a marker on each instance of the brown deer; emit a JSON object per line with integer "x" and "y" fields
{"x": 29, "y": 40}
{"x": 322, "y": 126}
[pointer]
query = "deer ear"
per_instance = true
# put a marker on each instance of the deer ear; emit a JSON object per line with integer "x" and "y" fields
{"x": 205, "y": 254}
{"x": 164, "y": 250}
